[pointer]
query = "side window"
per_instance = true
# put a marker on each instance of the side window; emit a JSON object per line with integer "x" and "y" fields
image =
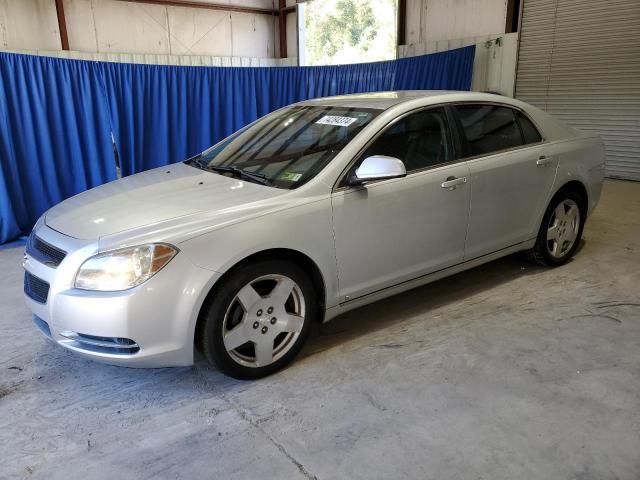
{"x": 489, "y": 128}
{"x": 529, "y": 131}
{"x": 420, "y": 140}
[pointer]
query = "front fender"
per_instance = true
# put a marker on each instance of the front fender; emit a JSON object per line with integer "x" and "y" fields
{"x": 305, "y": 228}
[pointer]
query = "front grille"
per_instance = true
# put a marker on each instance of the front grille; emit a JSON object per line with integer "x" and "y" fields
{"x": 112, "y": 345}
{"x": 44, "y": 252}
{"x": 35, "y": 288}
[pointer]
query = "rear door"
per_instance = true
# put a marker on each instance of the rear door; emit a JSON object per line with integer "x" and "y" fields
{"x": 511, "y": 171}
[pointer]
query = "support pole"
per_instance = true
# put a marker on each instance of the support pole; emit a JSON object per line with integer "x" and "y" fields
{"x": 282, "y": 27}
{"x": 62, "y": 25}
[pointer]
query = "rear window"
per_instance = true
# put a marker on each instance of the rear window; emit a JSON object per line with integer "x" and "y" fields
{"x": 489, "y": 128}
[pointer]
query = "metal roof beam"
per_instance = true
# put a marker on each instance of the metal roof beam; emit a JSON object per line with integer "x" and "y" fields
{"x": 210, "y": 6}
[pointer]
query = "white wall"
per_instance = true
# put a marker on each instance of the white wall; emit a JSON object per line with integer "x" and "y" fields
{"x": 494, "y": 64}
{"x": 111, "y": 26}
{"x": 439, "y": 25}
{"x": 28, "y": 24}
{"x": 164, "y": 59}
{"x": 429, "y": 20}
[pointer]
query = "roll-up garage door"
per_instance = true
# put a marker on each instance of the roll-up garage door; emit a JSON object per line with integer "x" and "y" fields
{"x": 580, "y": 61}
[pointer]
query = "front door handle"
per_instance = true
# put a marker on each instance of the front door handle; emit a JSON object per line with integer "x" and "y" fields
{"x": 543, "y": 161}
{"x": 452, "y": 182}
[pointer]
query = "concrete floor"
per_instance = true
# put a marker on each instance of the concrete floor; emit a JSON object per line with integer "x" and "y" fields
{"x": 506, "y": 371}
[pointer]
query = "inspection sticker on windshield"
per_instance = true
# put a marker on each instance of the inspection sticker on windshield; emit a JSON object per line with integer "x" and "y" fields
{"x": 291, "y": 176}
{"x": 336, "y": 120}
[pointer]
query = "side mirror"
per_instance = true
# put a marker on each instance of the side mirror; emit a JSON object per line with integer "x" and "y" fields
{"x": 378, "y": 167}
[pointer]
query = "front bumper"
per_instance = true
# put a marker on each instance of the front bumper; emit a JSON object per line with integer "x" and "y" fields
{"x": 151, "y": 325}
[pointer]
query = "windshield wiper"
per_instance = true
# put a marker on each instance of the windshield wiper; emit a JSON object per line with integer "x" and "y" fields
{"x": 197, "y": 162}
{"x": 240, "y": 173}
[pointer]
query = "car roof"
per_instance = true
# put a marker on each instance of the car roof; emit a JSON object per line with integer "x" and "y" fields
{"x": 406, "y": 100}
{"x": 386, "y": 100}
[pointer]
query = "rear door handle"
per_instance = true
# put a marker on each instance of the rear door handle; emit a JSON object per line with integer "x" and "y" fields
{"x": 452, "y": 182}
{"x": 543, "y": 161}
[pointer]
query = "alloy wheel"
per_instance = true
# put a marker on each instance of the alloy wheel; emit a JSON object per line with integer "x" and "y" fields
{"x": 563, "y": 228}
{"x": 264, "y": 320}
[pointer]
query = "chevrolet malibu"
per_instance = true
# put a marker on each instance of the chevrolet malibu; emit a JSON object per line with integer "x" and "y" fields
{"x": 312, "y": 210}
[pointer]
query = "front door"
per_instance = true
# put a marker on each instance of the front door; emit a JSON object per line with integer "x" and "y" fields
{"x": 392, "y": 231}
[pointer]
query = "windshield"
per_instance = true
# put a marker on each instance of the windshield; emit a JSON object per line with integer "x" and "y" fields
{"x": 286, "y": 148}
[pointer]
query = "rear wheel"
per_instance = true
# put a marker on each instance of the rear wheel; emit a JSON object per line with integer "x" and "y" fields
{"x": 259, "y": 319}
{"x": 561, "y": 230}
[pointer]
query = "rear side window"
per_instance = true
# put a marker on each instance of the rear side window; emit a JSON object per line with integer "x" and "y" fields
{"x": 529, "y": 131}
{"x": 489, "y": 128}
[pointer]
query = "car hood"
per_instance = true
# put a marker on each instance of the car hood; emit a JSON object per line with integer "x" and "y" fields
{"x": 154, "y": 197}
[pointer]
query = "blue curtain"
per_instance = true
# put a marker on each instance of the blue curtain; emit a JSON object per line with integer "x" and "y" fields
{"x": 57, "y": 115}
{"x": 55, "y": 138}
{"x": 162, "y": 114}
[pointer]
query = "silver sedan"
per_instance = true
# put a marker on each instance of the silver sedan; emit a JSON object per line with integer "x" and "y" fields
{"x": 312, "y": 210}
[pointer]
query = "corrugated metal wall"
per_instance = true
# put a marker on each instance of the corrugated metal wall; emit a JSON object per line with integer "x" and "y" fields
{"x": 580, "y": 60}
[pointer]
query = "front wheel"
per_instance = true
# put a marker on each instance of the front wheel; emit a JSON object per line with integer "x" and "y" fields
{"x": 561, "y": 230}
{"x": 259, "y": 319}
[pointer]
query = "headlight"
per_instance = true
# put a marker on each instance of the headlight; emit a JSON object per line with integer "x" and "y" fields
{"x": 124, "y": 268}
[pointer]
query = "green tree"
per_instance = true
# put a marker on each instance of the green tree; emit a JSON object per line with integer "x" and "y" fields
{"x": 333, "y": 26}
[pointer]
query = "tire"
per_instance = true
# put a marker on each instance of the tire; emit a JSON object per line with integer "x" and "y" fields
{"x": 262, "y": 306}
{"x": 555, "y": 247}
